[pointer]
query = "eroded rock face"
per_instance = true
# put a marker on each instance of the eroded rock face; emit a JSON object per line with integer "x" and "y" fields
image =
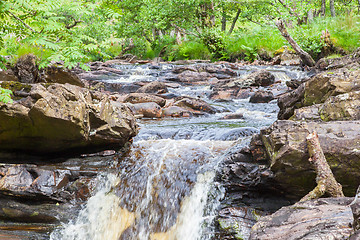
{"x": 328, "y": 218}
{"x": 61, "y": 117}
{"x": 285, "y": 145}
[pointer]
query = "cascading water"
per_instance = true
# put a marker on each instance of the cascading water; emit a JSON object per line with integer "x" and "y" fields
{"x": 164, "y": 189}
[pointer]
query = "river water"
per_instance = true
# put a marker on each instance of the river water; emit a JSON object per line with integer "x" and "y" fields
{"x": 165, "y": 188}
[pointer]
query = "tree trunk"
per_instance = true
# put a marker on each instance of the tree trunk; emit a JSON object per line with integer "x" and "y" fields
{"x": 332, "y": 8}
{"x": 310, "y": 16}
{"x": 178, "y": 37}
{"x": 358, "y": 6}
{"x": 323, "y": 7}
{"x": 223, "y": 21}
{"x": 234, "y": 21}
{"x": 324, "y": 177}
{"x": 305, "y": 57}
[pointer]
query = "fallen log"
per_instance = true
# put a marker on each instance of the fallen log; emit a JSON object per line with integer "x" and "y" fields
{"x": 326, "y": 182}
{"x": 305, "y": 57}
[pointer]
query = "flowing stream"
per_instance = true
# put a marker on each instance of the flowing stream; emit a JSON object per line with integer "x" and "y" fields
{"x": 165, "y": 188}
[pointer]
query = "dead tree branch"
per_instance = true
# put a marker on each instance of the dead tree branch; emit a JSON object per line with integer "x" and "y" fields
{"x": 326, "y": 182}
{"x": 305, "y": 57}
{"x": 19, "y": 19}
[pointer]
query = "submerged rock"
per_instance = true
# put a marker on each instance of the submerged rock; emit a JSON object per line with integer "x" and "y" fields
{"x": 64, "y": 117}
{"x": 328, "y": 218}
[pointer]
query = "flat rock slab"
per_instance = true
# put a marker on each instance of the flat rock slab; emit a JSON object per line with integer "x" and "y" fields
{"x": 328, "y": 218}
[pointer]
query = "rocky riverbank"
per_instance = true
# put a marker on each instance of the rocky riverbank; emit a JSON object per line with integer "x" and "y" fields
{"x": 328, "y": 103}
{"x": 59, "y": 116}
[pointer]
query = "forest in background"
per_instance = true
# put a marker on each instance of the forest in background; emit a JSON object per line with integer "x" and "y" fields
{"x": 79, "y": 31}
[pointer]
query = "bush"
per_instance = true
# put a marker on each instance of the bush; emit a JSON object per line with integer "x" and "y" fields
{"x": 5, "y": 95}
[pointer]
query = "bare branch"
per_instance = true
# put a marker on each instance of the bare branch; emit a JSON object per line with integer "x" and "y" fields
{"x": 17, "y": 18}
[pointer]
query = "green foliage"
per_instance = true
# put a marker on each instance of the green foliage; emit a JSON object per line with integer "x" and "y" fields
{"x": 193, "y": 50}
{"x": 78, "y": 31}
{"x": 5, "y": 95}
{"x": 214, "y": 42}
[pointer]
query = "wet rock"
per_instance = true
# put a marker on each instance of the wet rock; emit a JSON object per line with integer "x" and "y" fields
{"x": 293, "y": 83}
{"x": 218, "y": 71}
{"x": 262, "y": 78}
{"x": 225, "y": 95}
{"x": 55, "y": 74}
{"x": 181, "y": 69}
{"x": 64, "y": 117}
{"x": 236, "y": 222}
{"x": 26, "y": 181}
{"x": 316, "y": 219}
{"x": 224, "y": 90}
{"x": 195, "y": 104}
{"x": 236, "y": 133}
{"x": 193, "y": 77}
{"x": 262, "y": 97}
{"x": 174, "y": 111}
{"x": 288, "y": 102}
{"x": 16, "y": 211}
{"x": 233, "y": 116}
{"x": 168, "y": 95}
{"x": 147, "y": 110}
{"x": 143, "y": 98}
{"x": 26, "y": 70}
{"x": 285, "y": 144}
{"x": 244, "y": 93}
{"x": 248, "y": 186}
{"x": 153, "y": 87}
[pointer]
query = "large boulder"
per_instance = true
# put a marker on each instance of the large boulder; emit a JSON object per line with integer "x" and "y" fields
{"x": 57, "y": 74}
{"x": 328, "y": 218}
{"x": 320, "y": 88}
{"x": 64, "y": 117}
{"x": 285, "y": 145}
